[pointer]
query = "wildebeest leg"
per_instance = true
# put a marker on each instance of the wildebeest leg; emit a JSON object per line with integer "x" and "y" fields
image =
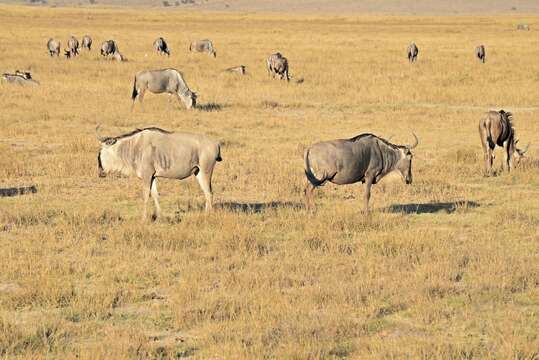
{"x": 204, "y": 180}
{"x": 179, "y": 99}
{"x": 141, "y": 98}
{"x": 155, "y": 196}
{"x": 508, "y": 161}
{"x": 309, "y": 194}
{"x": 367, "y": 195}
{"x": 146, "y": 186}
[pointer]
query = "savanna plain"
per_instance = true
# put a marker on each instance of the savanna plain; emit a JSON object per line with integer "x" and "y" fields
{"x": 443, "y": 268}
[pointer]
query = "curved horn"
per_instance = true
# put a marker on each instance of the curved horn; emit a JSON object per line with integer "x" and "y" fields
{"x": 415, "y": 143}
{"x": 100, "y": 138}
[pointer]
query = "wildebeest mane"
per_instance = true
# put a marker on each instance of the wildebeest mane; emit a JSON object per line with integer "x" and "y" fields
{"x": 136, "y": 131}
{"x": 360, "y": 136}
{"x": 507, "y": 116}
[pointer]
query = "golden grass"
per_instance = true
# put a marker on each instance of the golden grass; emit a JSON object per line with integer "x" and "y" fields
{"x": 444, "y": 268}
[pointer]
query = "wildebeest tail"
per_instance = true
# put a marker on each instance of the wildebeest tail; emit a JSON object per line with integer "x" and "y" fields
{"x": 135, "y": 92}
{"x": 309, "y": 173}
{"x": 218, "y": 158}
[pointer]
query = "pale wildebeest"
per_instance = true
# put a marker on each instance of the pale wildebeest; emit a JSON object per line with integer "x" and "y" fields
{"x": 160, "y": 45}
{"x": 366, "y": 158}
{"x": 203, "y": 46}
{"x": 53, "y": 47}
{"x": 19, "y": 78}
{"x": 152, "y": 152}
{"x": 72, "y": 47}
{"x": 108, "y": 48}
{"x": 412, "y": 52}
{"x": 118, "y": 56}
{"x": 277, "y": 64}
{"x": 237, "y": 69}
{"x": 87, "y": 42}
{"x": 524, "y": 27}
{"x": 163, "y": 81}
{"x": 496, "y": 128}
{"x": 480, "y": 53}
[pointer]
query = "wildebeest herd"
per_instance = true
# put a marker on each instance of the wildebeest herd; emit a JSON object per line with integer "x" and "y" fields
{"x": 152, "y": 152}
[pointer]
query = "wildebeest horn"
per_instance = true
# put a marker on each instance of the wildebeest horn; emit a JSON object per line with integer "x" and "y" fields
{"x": 415, "y": 143}
{"x": 100, "y": 138}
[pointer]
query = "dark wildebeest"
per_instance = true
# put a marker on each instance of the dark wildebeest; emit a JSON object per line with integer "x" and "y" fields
{"x": 163, "y": 81}
{"x": 237, "y": 69}
{"x": 151, "y": 153}
{"x": 20, "y": 78}
{"x": 203, "y": 46}
{"x": 160, "y": 45}
{"x": 480, "y": 53}
{"x": 87, "y": 42}
{"x": 72, "y": 47}
{"x": 524, "y": 27}
{"x": 53, "y": 47}
{"x": 366, "y": 158}
{"x": 108, "y": 48}
{"x": 496, "y": 128}
{"x": 277, "y": 64}
{"x": 412, "y": 52}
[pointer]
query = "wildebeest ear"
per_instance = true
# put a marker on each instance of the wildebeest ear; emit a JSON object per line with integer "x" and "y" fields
{"x": 110, "y": 141}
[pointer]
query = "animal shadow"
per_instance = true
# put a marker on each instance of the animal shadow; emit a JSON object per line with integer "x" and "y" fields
{"x": 6, "y": 192}
{"x": 210, "y": 107}
{"x": 431, "y": 208}
{"x": 255, "y": 208}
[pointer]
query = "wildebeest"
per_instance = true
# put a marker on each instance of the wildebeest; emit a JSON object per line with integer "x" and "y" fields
{"x": 496, "y": 128}
{"x": 53, "y": 47}
{"x": 108, "y": 47}
{"x": 277, "y": 64}
{"x": 366, "y": 158}
{"x": 152, "y": 152}
{"x": 160, "y": 45}
{"x": 203, "y": 46}
{"x": 525, "y": 27}
{"x": 19, "y": 78}
{"x": 480, "y": 53}
{"x": 87, "y": 42}
{"x": 118, "y": 56}
{"x": 237, "y": 69}
{"x": 163, "y": 81}
{"x": 412, "y": 52}
{"x": 72, "y": 47}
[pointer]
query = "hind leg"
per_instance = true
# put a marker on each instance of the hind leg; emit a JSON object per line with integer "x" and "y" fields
{"x": 204, "y": 180}
{"x": 155, "y": 196}
{"x": 309, "y": 196}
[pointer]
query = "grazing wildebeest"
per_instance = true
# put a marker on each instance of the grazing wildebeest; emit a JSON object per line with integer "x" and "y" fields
{"x": 203, "y": 46}
{"x": 160, "y": 45}
{"x": 163, "y": 81}
{"x": 366, "y": 158}
{"x": 277, "y": 64}
{"x": 53, "y": 47}
{"x": 20, "y": 78}
{"x": 480, "y": 53}
{"x": 237, "y": 69}
{"x": 152, "y": 152}
{"x": 525, "y": 27}
{"x": 72, "y": 46}
{"x": 496, "y": 128}
{"x": 108, "y": 48}
{"x": 118, "y": 56}
{"x": 412, "y": 52}
{"x": 87, "y": 42}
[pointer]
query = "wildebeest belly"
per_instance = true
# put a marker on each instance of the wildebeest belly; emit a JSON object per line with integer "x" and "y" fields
{"x": 349, "y": 174}
{"x": 176, "y": 165}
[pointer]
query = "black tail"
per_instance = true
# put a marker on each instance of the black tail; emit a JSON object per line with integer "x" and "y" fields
{"x": 308, "y": 172}
{"x": 135, "y": 92}
{"x": 219, "y": 158}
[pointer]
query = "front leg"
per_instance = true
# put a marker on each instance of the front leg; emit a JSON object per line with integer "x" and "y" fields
{"x": 367, "y": 195}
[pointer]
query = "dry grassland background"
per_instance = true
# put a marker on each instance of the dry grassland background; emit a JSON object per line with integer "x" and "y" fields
{"x": 444, "y": 268}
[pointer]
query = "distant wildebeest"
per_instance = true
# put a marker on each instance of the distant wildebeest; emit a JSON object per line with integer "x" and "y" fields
{"x": 160, "y": 45}
{"x": 496, "y": 128}
{"x": 118, "y": 56}
{"x": 525, "y": 27}
{"x": 19, "y": 78}
{"x": 87, "y": 42}
{"x": 366, "y": 158}
{"x": 53, "y": 47}
{"x": 237, "y": 69}
{"x": 108, "y": 47}
{"x": 203, "y": 46}
{"x": 163, "y": 81}
{"x": 152, "y": 152}
{"x": 412, "y": 52}
{"x": 72, "y": 47}
{"x": 480, "y": 53}
{"x": 14, "y": 191}
{"x": 277, "y": 64}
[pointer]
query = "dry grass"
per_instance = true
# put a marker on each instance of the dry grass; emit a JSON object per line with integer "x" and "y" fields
{"x": 445, "y": 268}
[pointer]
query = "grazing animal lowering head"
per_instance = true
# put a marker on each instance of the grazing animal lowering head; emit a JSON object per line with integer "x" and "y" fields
{"x": 404, "y": 166}
{"x": 190, "y": 100}
{"x": 105, "y": 157}
{"x": 519, "y": 154}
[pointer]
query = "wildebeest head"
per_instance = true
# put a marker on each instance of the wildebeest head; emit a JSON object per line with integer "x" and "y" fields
{"x": 106, "y": 157}
{"x": 404, "y": 165}
{"x": 189, "y": 99}
{"x": 519, "y": 154}
{"x": 214, "y": 53}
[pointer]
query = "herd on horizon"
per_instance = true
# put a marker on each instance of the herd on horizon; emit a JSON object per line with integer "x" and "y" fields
{"x": 150, "y": 153}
